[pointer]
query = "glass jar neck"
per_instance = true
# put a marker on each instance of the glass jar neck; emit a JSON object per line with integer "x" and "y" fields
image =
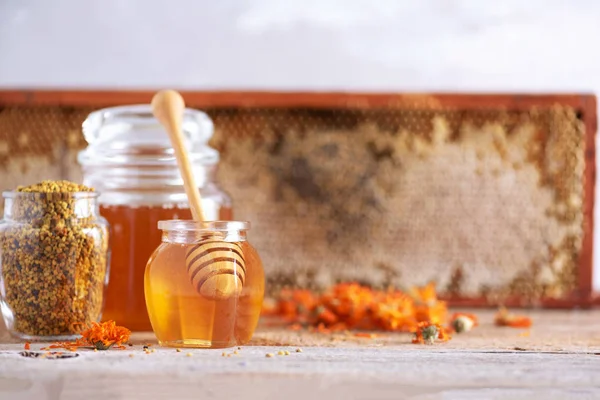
{"x": 145, "y": 186}
{"x": 191, "y": 232}
{"x": 38, "y": 207}
{"x": 191, "y": 237}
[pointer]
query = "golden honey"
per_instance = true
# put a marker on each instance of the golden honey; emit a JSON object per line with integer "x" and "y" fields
{"x": 180, "y": 315}
{"x": 134, "y": 238}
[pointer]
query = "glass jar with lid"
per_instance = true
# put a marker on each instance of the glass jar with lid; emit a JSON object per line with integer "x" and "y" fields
{"x": 130, "y": 161}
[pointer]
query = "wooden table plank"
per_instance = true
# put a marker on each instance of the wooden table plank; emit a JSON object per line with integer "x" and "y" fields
{"x": 559, "y": 362}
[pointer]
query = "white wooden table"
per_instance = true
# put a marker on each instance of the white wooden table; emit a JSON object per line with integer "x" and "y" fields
{"x": 556, "y": 359}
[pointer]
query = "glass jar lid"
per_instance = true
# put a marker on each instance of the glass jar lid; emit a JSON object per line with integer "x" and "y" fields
{"x": 130, "y": 136}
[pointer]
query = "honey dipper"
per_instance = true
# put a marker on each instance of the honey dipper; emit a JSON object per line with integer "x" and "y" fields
{"x": 216, "y": 268}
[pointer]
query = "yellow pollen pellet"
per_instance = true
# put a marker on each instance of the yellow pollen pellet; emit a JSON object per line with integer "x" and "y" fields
{"x": 269, "y": 355}
{"x": 281, "y": 352}
{"x": 287, "y": 353}
{"x": 298, "y": 350}
{"x": 236, "y": 352}
{"x": 189, "y": 354}
{"x": 223, "y": 354}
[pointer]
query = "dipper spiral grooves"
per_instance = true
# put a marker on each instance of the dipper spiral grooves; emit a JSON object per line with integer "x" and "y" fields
{"x": 216, "y": 268}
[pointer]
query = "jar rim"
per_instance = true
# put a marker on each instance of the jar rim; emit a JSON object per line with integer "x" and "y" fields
{"x": 199, "y": 226}
{"x": 13, "y": 194}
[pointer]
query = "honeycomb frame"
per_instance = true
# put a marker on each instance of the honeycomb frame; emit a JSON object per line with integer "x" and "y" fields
{"x": 389, "y": 127}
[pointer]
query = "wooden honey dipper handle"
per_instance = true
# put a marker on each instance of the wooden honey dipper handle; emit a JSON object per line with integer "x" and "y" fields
{"x": 168, "y": 107}
{"x": 216, "y": 268}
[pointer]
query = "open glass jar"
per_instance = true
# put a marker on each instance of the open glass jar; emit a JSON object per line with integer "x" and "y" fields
{"x": 184, "y": 281}
{"x": 54, "y": 255}
{"x": 131, "y": 162}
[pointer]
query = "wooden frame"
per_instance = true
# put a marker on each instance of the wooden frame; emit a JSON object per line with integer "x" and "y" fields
{"x": 584, "y": 104}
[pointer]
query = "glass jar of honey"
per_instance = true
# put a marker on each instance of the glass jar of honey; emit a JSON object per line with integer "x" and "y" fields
{"x": 204, "y": 285}
{"x": 130, "y": 160}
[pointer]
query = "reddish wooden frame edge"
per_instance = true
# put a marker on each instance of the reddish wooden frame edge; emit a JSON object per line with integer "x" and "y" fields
{"x": 585, "y": 104}
{"x": 298, "y": 99}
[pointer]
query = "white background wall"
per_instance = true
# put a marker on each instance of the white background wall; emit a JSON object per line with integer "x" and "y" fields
{"x": 378, "y": 45}
{"x": 476, "y": 45}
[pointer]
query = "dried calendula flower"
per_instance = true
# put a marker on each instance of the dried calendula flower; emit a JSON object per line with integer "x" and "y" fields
{"x": 427, "y": 307}
{"x": 354, "y": 306}
{"x": 100, "y": 336}
{"x": 428, "y": 333}
{"x": 463, "y": 322}
{"x": 505, "y": 318}
{"x": 54, "y": 249}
